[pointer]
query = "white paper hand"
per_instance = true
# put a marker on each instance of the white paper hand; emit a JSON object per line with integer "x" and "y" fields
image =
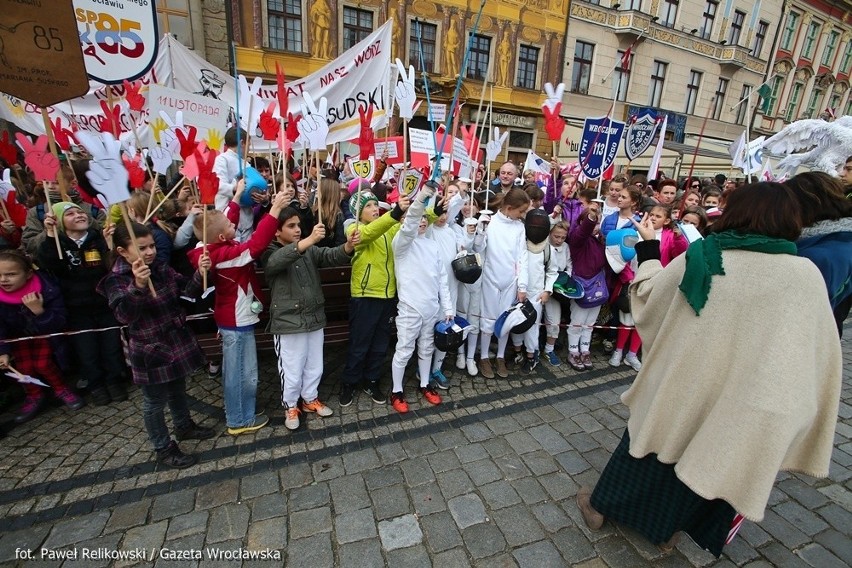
{"x": 495, "y": 145}
{"x": 313, "y": 128}
{"x": 168, "y": 137}
{"x": 251, "y": 105}
{"x": 554, "y": 96}
{"x": 162, "y": 159}
{"x": 6, "y": 184}
{"x": 106, "y": 171}
{"x": 404, "y": 92}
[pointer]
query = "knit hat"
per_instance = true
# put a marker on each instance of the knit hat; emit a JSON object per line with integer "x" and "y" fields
{"x": 366, "y": 197}
{"x": 353, "y": 185}
{"x": 59, "y": 210}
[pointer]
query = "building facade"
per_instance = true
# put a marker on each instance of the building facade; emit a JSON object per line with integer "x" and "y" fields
{"x": 811, "y": 66}
{"x": 694, "y": 61}
{"x": 518, "y": 46}
{"x": 201, "y": 25}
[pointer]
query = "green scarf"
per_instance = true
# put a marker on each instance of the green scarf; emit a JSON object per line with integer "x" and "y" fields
{"x": 704, "y": 260}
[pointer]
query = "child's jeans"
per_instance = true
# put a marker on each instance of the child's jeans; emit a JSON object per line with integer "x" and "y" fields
{"x": 155, "y": 399}
{"x": 239, "y": 376}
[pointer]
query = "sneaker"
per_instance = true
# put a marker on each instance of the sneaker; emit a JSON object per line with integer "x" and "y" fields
{"x": 502, "y": 371}
{"x": 616, "y": 358}
{"x": 70, "y": 399}
{"x": 291, "y": 418}
{"x": 317, "y": 406}
{"x": 576, "y": 362}
{"x": 608, "y": 346}
{"x": 485, "y": 368}
{"x": 471, "y": 368}
{"x": 519, "y": 358}
{"x": 552, "y": 358}
{"x": 195, "y": 432}
{"x": 214, "y": 370}
{"x": 346, "y": 394}
{"x": 460, "y": 362}
{"x": 430, "y": 394}
{"x": 82, "y": 384}
{"x": 117, "y": 392}
{"x": 439, "y": 380}
{"x": 259, "y": 422}
{"x": 587, "y": 361}
{"x": 398, "y": 402}
{"x": 527, "y": 366}
{"x": 100, "y": 397}
{"x": 374, "y": 390}
{"x": 633, "y": 361}
{"x": 29, "y": 409}
{"x": 171, "y": 456}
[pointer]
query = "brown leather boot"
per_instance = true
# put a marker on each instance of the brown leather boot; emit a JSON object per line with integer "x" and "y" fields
{"x": 485, "y": 368}
{"x": 502, "y": 371}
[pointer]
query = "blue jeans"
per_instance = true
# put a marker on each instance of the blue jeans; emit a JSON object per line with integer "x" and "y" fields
{"x": 239, "y": 376}
{"x": 155, "y": 398}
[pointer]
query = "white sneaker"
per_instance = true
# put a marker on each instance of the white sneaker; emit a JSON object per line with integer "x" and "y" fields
{"x": 291, "y": 418}
{"x": 633, "y": 361}
{"x": 472, "y": 370}
{"x": 460, "y": 361}
{"x": 616, "y": 358}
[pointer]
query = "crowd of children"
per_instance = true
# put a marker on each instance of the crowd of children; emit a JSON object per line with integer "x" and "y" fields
{"x": 70, "y": 269}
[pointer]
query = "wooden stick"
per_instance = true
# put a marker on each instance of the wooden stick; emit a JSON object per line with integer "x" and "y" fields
{"x": 5, "y": 211}
{"x": 63, "y": 185}
{"x": 50, "y": 208}
{"x": 169, "y": 194}
{"x": 127, "y": 223}
{"x": 204, "y": 243}
{"x": 318, "y": 196}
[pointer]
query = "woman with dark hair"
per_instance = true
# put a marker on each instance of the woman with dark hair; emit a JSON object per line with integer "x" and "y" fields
{"x": 827, "y": 236}
{"x": 705, "y": 444}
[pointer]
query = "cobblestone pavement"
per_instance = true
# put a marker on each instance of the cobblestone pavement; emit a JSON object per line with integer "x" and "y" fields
{"x": 488, "y": 478}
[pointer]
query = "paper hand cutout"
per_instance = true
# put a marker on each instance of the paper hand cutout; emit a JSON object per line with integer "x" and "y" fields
{"x": 314, "y": 127}
{"x": 187, "y": 141}
{"x": 471, "y": 142}
{"x": 553, "y": 122}
{"x": 6, "y": 184}
{"x": 135, "y": 100}
{"x": 554, "y": 96}
{"x": 8, "y": 151}
{"x": 495, "y": 145}
{"x": 215, "y": 139}
{"x": 106, "y": 171}
{"x": 404, "y": 92}
{"x": 269, "y": 126}
{"x": 111, "y": 119}
{"x": 64, "y": 137}
{"x": 38, "y": 158}
{"x": 283, "y": 98}
{"x": 168, "y": 136}
{"x": 366, "y": 137}
{"x": 161, "y": 158}
{"x": 25, "y": 379}
{"x": 135, "y": 174}
{"x": 250, "y": 102}
{"x": 208, "y": 182}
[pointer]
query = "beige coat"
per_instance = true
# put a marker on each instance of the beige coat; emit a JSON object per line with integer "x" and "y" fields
{"x": 748, "y": 388}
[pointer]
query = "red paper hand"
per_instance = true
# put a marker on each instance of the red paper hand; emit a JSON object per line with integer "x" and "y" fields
{"x": 553, "y": 123}
{"x": 134, "y": 99}
{"x": 17, "y": 212}
{"x": 293, "y": 127}
{"x": 135, "y": 174}
{"x": 365, "y": 139}
{"x": 38, "y": 158}
{"x": 8, "y": 151}
{"x": 269, "y": 125}
{"x": 64, "y": 137}
{"x": 283, "y": 98}
{"x": 187, "y": 141}
{"x": 471, "y": 142}
{"x": 111, "y": 120}
{"x": 208, "y": 182}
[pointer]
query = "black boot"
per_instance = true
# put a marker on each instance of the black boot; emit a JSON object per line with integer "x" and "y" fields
{"x": 195, "y": 432}
{"x": 173, "y": 457}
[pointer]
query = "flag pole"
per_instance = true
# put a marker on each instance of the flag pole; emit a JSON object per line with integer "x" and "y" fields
{"x": 608, "y": 130}
{"x": 701, "y": 135}
{"x": 626, "y": 55}
{"x": 748, "y": 136}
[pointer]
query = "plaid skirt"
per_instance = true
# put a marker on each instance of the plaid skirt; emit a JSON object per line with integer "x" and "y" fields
{"x": 646, "y": 495}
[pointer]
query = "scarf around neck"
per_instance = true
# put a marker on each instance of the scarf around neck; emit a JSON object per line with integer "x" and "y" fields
{"x": 15, "y": 296}
{"x": 704, "y": 260}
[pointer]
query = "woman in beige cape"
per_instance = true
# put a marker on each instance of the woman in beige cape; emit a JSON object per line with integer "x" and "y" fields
{"x": 706, "y": 441}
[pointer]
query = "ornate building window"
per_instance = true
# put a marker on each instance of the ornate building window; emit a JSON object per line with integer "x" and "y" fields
{"x": 425, "y": 34}
{"x": 285, "y": 24}
{"x": 173, "y": 18}
{"x": 692, "y": 90}
{"x": 581, "y": 73}
{"x": 357, "y": 24}
{"x": 527, "y": 66}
